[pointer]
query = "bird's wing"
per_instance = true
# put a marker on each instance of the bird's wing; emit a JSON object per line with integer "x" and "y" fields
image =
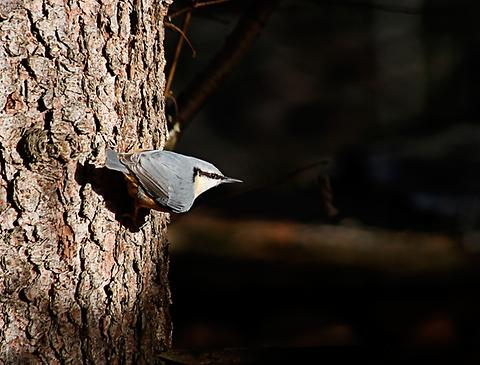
{"x": 160, "y": 174}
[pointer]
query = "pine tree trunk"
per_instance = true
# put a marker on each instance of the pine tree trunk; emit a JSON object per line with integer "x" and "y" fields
{"x": 78, "y": 283}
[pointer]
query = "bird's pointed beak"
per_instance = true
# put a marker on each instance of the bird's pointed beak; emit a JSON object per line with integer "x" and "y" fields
{"x": 228, "y": 180}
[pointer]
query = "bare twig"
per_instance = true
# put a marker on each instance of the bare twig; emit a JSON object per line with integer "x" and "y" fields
{"x": 178, "y": 49}
{"x": 196, "y": 6}
{"x": 321, "y": 165}
{"x": 327, "y": 196}
{"x": 211, "y": 2}
{"x": 236, "y": 45}
{"x": 184, "y": 36}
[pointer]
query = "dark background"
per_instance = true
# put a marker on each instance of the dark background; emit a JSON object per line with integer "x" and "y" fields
{"x": 379, "y": 100}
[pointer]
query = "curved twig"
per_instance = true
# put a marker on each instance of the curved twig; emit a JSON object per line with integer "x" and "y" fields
{"x": 192, "y": 99}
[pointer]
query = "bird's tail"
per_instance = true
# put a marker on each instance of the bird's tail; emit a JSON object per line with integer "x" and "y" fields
{"x": 113, "y": 163}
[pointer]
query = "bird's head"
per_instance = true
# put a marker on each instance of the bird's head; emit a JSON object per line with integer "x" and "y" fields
{"x": 207, "y": 176}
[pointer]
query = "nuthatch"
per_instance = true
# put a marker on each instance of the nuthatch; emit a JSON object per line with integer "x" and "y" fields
{"x": 164, "y": 180}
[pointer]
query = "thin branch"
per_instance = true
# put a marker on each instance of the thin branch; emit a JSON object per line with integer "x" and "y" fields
{"x": 322, "y": 166}
{"x": 236, "y": 45}
{"x": 327, "y": 196}
{"x": 178, "y": 49}
{"x": 184, "y": 36}
{"x": 196, "y": 6}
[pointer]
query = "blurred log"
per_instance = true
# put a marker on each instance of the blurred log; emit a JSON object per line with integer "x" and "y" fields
{"x": 375, "y": 248}
{"x": 273, "y": 355}
{"x": 306, "y": 355}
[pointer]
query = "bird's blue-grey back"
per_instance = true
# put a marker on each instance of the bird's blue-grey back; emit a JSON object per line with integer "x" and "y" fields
{"x": 166, "y": 176}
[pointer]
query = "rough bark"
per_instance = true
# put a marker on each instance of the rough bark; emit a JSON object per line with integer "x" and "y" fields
{"x": 78, "y": 284}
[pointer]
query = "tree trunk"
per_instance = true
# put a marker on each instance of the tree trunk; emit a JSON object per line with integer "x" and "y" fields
{"x": 78, "y": 283}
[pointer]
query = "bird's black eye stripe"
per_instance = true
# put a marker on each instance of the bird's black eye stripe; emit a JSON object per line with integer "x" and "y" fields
{"x": 211, "y": 175}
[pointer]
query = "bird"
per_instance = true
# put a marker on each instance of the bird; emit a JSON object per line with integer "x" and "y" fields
{"x": 165, "y": 180}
